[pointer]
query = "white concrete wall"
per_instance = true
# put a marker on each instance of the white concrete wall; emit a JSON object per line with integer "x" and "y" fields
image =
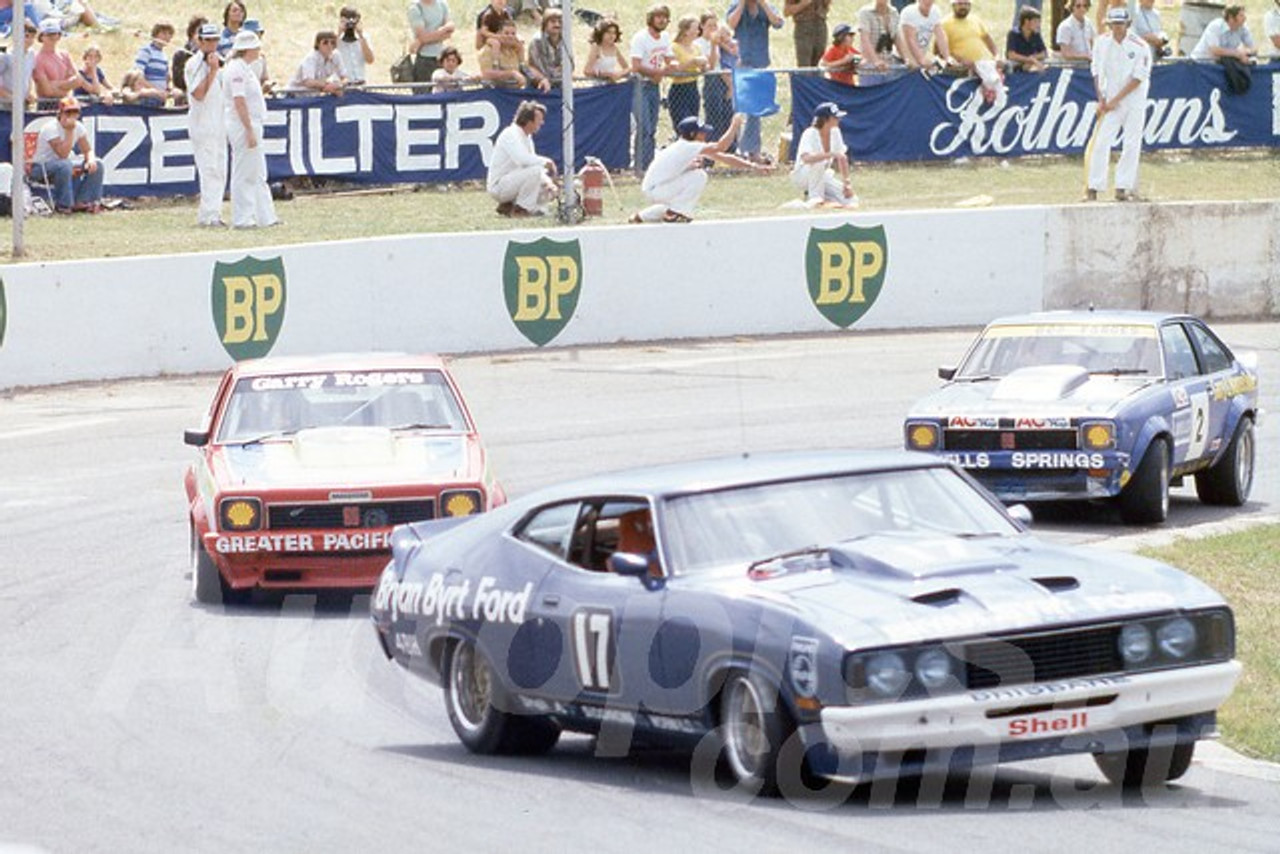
{"x": 102, "y": 319}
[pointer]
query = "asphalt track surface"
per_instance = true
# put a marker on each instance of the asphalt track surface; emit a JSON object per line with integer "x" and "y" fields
{"x": 133, "y": 720}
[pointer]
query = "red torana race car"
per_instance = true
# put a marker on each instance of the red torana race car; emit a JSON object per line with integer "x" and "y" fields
{"x": 307, "y": 463}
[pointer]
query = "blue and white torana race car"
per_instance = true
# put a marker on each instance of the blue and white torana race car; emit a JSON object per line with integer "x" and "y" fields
{"x": 1084, "y": 404}
{"x": 851, "y": 615}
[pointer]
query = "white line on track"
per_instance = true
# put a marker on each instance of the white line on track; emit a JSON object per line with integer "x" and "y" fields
{"x": 54, "y": 428}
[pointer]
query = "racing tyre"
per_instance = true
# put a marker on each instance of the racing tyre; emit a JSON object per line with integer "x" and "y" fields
{"x": 1136, "y": 768}
{"x": 473, "y": 698}
{"x": 754, "y": 726}
{"x": 1229, "y": 481}
{"x": 1145, "y": 499}
{"x": 207, "y": 585}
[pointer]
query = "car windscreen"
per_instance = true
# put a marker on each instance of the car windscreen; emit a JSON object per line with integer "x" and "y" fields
{"x": 1122, "y": 349}
{"x": 283, "y": 404}
{"x": 751, "y": 523}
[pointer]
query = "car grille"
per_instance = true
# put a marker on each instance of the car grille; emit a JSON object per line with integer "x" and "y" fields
{"x": 373, "y": 514}
{"x": 1041, "y": 657}
{"x": 1009, "y": 440}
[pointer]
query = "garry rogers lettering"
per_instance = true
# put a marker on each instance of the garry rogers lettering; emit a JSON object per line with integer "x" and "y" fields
{"x": 1052, "y": 121}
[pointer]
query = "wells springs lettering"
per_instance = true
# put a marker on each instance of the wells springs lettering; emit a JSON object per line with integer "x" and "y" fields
{"x": 441, "y": 601}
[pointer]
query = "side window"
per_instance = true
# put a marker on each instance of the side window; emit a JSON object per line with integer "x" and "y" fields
{"x": 609, "y": 525}
{"x": 1213, "y": 355}
{"x": 550, "y": 528}
{"x": 1179, "y": 358}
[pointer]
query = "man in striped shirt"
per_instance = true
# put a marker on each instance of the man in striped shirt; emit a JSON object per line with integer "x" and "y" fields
{"x": 152, "y": 61}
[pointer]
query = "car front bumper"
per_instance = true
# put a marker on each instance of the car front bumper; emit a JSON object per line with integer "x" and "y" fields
{"x": 1049, "y": 475}
{"x": 301, "y": 559}
{"x": 1073, "y": 709}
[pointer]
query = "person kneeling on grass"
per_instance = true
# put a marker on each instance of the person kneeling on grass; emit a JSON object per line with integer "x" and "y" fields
{"x": 520, "y": 180}
{"x": 677, "y": 176}
{"x": 820, "y": 154}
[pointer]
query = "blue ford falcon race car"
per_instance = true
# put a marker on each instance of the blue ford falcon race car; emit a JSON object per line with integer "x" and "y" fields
{"x": 1083, "y": 404}
{"x": 846, "y": 614}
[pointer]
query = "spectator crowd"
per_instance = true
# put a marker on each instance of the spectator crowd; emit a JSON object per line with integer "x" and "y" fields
{"x": 680, "y": 62}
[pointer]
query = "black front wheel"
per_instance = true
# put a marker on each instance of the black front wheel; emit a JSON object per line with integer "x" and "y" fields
{"x": 1229, "y": 481}
{"x": 1133, "y": 769}
{"x": 1145, "y": 499}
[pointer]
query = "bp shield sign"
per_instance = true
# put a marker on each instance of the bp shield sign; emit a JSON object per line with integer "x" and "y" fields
{"x": 540, "y": 283}
{"x": 248, "y": 300}
{"x": 845, "y": 269}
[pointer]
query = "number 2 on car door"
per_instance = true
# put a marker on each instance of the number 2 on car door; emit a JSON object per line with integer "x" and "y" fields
{"x": 592, "y": 638}
{"x": 1199, "y": 425}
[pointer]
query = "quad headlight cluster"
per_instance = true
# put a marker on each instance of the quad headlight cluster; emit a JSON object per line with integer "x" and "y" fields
{"x": 890, "y": 674}
{"x": 1164, "y": 642}
{"x": 1129, "y": 646}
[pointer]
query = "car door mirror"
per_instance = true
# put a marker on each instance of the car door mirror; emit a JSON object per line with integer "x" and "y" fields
{"x": 1021, "y": 514}
{"x": 198, "y": 438}
{"x": 947, "y": 372}
{"x": 629, "y": 564}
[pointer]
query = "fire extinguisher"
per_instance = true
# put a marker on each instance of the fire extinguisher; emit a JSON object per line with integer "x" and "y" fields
{"x": 593, "y": 175}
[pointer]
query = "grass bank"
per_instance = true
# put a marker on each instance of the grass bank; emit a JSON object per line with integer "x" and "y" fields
{"x": 1244, "y": 567}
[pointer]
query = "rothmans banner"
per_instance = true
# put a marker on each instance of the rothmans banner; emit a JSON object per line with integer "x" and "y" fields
{"x": 932, "y": 118}
{"x": 378, "y": 138}
{"x": 360, "y": 137}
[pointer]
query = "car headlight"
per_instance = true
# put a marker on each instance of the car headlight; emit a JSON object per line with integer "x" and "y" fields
{"x": 933, "y": 669}
{"x": 1135, "y": 644}
{"x": 922, "y": 436}
{"x": 240, "y": 514}
{"x": 887, "y": 674}
{"x": 1097, "y": 435}
{"x": 1177, "y": 638}
{"x": 460, "y": 502}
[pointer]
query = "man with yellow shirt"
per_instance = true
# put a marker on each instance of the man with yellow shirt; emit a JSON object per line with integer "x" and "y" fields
{"x": 972, "y": 46}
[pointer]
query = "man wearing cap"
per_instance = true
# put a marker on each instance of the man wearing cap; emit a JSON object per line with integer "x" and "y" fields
{"x": 675, "y": 180}
{"x": 245, "y": 111}
{"x": 519, "y": 179}
{"x": 259, "y": 65}
{"x": 1024, "y": 47}
{"x": 52, "y": 70}
{"x": 840, "y": 62}
{"x": 77, "y": 182}
{"x": 1121, "y": 69}
{"x": 810, "y": 32}
{"x": 6, "y": 70}
{"x": 820, "y": 155}
{"x": 921, "y": 24}
{"x": 206, "y": 124}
